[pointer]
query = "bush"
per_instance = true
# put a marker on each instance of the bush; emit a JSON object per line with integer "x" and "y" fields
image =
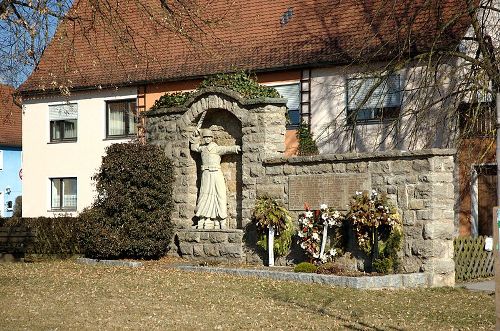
{"x": 54, "y": 235}
{"x": 330, "y": 268}
{"x": 18, "y": 207}
{"x": 131, "y": 215}
{"x": 305, "y": 267}
{"x": 383, "y": 266}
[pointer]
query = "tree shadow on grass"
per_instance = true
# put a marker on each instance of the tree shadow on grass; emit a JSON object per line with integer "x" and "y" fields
{"x": 322, "y": 310}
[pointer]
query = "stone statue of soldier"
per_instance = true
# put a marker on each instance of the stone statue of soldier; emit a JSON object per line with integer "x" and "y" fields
{"x": 211, "y": 207}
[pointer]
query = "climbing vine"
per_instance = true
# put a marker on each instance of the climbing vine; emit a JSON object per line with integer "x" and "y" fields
{"x": 241, "y": 82}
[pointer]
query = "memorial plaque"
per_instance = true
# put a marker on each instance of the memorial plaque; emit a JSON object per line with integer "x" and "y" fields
{"x": 335, "y": 190}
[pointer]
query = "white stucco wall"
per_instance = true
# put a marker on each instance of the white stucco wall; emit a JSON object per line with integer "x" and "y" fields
{"x": 43, "y": 160}
{"x": 328, "y": 114}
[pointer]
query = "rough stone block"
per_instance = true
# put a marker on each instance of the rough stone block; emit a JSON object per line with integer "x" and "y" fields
{"x": 289, "y": 170}
{"x": 439, "y": 266}
{"x": 276, "y": 170}
{"x": 211, "y": 250}
{"x": 438, "y": 230}
{"x": 416, "y": 204}
{"x": 218, "y": 237}
{"x": 192, "y": 237}
{"x": 232, "y": 250}
{"x": 235, "y": 238}
{"x": 440, "y": 280}
{"x": 410, "y": 219}
{"x": 186, "y": 249}
{"x": 198, "y": 250}
{"x": 421, "y": 165}
{"x": 357, "y": 167}
{"x": 423, "y": 214}
{"x": 400, "y": 167}
{"x": 275, "y": 191}
{"x": 379, "y": 167}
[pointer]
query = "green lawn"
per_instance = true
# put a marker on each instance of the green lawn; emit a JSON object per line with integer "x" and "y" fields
{"x": 64, "y": 295}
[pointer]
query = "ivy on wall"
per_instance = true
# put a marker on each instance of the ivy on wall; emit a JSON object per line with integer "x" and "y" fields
{"x": 241, "y": 82}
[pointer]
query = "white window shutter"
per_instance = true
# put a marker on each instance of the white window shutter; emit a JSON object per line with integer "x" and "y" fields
{"x": 292, "y": 93}
{"x": 63, "y": 112}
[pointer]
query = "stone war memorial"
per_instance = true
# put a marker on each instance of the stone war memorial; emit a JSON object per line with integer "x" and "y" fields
{"x": 227, "y": 151}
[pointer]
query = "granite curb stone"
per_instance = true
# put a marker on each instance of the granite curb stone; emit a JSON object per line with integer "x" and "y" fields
{"x": 399, "y": 281}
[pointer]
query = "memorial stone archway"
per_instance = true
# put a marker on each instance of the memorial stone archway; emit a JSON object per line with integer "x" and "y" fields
{"x": 257, "y": 125}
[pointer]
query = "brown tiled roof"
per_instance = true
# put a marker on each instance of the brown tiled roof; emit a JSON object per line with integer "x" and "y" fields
{"x": 139, "y": 45}
{"x": 10, "y": 118}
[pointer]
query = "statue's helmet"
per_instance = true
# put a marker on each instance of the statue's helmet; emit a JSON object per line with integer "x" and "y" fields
{"x": 207, "y": 133}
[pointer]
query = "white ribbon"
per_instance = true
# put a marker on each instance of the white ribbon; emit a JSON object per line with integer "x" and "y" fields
{"x": 323, "y": 241}
{"x": 270, "y": 245}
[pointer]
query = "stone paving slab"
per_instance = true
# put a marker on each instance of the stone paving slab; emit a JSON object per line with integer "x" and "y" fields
{"x": 484, "y": 286}
{"x": 115, "y": 263}
{"x": 399, "y": 281}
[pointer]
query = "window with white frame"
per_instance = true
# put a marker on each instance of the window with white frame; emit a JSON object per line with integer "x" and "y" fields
{"x": 292, "y": 93}
{"x": 121, "y": 118}
{"x": 63, "y": 122}
{"x": 63, "y": 193}
{"x": 373, "y": 99}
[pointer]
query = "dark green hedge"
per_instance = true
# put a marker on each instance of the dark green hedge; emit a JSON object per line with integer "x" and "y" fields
{"x": 131, "y": 216}
{"x": 54, "y": 235}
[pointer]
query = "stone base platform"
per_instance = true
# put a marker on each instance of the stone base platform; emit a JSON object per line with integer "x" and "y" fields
{"x": 211, "y": 245}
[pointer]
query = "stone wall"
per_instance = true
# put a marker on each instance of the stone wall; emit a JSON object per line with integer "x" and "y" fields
{"x": 420, "y": 183}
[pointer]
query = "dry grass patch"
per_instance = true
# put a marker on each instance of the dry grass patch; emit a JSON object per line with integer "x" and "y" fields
{"x": 65, "y": 295}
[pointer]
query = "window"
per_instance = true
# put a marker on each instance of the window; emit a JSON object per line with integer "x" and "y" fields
{"x": 63, "y": 194}
{"x": 9, "y": 205}
{"x": 292, "y": 93}
{"x": 1, "y": 160}
{"x": 121, "y": 118}
{"x": 63, "y": 122}
{"x": 373, "y": 99}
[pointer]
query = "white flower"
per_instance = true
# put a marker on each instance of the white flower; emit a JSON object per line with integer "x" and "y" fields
{"x": 358, "y": 193}
{"x": 333, "y": 252}
{"x": 316, "y": 255}
{"x": 324, "y": 258}
{"x": 309, "y": 214}
{"x": 332, "y": 222}
{"x": 303, "y": 245}
{"x": 324, "y": 216}
{"x": 315, "y": 236}
{"x": 336, "y": 214}
{"x": 301, "y": 234}
{"x": 310, "y": 225}
{"x": 323, "y": 206}
{"x": 374, "y": 193}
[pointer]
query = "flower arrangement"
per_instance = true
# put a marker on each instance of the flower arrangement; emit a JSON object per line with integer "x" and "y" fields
{"x": 267, "y": 213}
{"x": 377, "y": 227}
{"x": 313, "y": 226}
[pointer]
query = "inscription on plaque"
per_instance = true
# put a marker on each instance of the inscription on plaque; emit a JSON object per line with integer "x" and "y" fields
{"x": 335, "y": 190}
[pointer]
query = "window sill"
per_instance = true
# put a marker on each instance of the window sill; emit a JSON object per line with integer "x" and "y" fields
{"x": 55, "y": 142}
{"x": 62, "y": 210}
{"x": 120, "y": 137}
{"x": 372, "y": 122}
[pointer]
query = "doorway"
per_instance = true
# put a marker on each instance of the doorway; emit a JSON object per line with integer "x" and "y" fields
{"x": 484, "y": 197}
